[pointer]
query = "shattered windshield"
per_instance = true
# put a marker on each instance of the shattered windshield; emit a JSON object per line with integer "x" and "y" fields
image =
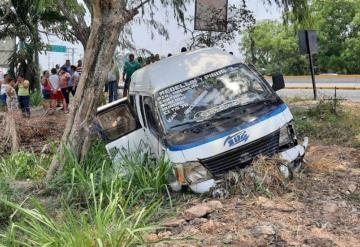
{"x": 201, "y": 98}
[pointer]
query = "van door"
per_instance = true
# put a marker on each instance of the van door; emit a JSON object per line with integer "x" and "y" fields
{"x": 119, "y": 125}
{"x": 152, "y": 126}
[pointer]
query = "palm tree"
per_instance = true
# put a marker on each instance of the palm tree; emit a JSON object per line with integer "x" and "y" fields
{"x": 26, "y": 20}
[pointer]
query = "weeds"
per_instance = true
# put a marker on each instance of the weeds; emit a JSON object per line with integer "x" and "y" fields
{"x": 100, "y": 205}
{"x": 323, "y": 123}
{"x": 23, "y": 165}
{"x": 262, "y": 177}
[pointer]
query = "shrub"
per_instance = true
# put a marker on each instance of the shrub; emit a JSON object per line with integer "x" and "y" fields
{"x": 36, "y": 98}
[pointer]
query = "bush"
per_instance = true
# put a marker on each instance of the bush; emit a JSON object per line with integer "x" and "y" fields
{"x": 36, "y": 98}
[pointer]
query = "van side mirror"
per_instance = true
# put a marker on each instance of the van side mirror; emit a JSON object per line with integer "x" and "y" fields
{"x": 278, "y": 82}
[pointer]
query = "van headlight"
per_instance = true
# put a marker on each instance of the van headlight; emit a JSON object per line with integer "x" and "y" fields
{"x": 193, "y": 172}
{"x": 287, "y": 136}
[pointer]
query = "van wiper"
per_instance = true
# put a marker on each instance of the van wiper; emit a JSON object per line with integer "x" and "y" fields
{"x": 184, "y": 124}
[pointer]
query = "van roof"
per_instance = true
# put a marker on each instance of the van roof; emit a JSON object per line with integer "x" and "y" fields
{"x": 179, "y": 68}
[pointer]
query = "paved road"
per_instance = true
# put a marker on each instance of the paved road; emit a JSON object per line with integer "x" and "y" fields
{"x": 308, "y": 93}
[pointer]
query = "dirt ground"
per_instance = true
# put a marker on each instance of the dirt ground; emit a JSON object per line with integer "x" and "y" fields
{"x": 34, "y": 133}
{"x": 321, "y": 208}
{"x": 39, "y": 129}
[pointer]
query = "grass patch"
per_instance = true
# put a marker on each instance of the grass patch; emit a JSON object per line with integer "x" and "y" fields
{"x": 100, "y": 204}
{"x": 36, "y": 98}
{"x": 24, "y": 165}
{"x": 323, "y": 123}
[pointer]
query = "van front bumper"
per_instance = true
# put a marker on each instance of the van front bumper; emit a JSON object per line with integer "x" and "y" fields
{"x": 292, "y": 161}
{"x": 294, "y": 156}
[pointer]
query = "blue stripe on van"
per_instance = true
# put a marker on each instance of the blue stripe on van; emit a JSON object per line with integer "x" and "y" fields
{"x": 268, "y": 115}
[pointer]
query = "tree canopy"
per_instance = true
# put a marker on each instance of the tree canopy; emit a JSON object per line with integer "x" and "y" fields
{"x": 273, "y": 46}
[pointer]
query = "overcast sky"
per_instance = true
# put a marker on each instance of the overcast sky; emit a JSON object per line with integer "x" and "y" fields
{"x": 142, "y": 36}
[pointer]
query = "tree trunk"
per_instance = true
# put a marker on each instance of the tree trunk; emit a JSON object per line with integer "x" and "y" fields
{"x": 107, "y": 23}
{"x": 11, "y": 133}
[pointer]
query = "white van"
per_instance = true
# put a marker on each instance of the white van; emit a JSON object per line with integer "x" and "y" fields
{"x": 206, "y": 112}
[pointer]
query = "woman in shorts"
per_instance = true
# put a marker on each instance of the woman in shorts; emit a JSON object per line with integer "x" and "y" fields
{"x": 56, "y": 93}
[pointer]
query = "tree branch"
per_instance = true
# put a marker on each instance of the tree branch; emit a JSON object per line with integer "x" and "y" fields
{"x": 140, "y": 5}
{"x": 81, "y": 30}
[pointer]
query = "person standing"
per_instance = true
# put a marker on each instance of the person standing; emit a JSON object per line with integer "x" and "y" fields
{"x": 47, "y": 92}
{"x": 56, "y": 93}
{"x": 73, "y": 82}
{"x": 64, "y": 78}
{"x": 2, "y": 91}
{"x": 79, "y": 67}
{"x": 129, "y": 68}
{"x": 11, "y": 101}
{"x": 23, "y": 95}
{"x": 67, "y": 66}
{"x": 113, "y": 80}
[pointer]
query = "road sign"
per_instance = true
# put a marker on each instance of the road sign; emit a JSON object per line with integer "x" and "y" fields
{"x": 211, "y": 15}
{"x": 308, "y": 45}
{"x": 56, "y": 48}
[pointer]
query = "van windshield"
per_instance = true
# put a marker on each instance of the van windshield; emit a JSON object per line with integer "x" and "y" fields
{"x": 201, "y": 98}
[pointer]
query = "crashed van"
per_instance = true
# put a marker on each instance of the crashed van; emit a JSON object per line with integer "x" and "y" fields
{"x": 206, "y": 112}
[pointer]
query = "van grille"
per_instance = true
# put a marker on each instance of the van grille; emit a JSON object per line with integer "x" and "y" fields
{"x": 242, "y": 156}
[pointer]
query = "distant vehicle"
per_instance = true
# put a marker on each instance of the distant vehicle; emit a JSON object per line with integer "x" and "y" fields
{"x": 206, "y": 112}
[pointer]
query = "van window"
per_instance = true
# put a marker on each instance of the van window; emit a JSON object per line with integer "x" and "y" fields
{"x": 116, "y": 122}
{"x": 200, "y": 98}
{"x": 150, "y": 115}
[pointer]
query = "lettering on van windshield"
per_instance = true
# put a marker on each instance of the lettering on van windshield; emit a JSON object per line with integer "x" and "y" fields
{"x": 182, "y": 98}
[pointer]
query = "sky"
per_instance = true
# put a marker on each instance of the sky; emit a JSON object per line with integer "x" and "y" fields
{"x": 142, "y": 36}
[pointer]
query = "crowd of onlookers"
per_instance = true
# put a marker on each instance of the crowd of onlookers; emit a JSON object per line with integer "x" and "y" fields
{"x": 58, "y": 84}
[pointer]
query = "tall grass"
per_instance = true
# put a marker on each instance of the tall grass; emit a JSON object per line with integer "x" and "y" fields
{"x": 102, "y": 205}
{"x": 23, "y": 165}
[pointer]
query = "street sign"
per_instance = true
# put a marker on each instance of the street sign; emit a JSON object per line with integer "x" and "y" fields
{"x": 308, "y": 45}
{"x": 308, "y": 42}
{"x": 56, "y": 48}
{"x": 211, "y": 15}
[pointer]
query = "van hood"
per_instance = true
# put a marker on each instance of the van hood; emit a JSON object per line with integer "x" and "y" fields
{"x": 211, "y": 145}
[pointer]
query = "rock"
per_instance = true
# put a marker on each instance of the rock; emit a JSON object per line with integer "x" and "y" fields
{"x": 198, "y": 221}
{"x": 165, "y": 234}
{"x": 173, "y": 222}
{"x": 152, "y": 237}
{"x": 352, "y": 188}
{"x": 201, "y": 210}
{"x": 228, "y": 238}
{"x": 197, "y": 211}
{"x": 330, "y": 207}
{"x": 263, "y": 230}
{"x": 214, "y": 205}
{"x": 208, "y": 227}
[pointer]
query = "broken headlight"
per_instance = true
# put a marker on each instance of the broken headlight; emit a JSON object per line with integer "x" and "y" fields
{"x": 287, "y": 136}
{"x": 195, "y": 172}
